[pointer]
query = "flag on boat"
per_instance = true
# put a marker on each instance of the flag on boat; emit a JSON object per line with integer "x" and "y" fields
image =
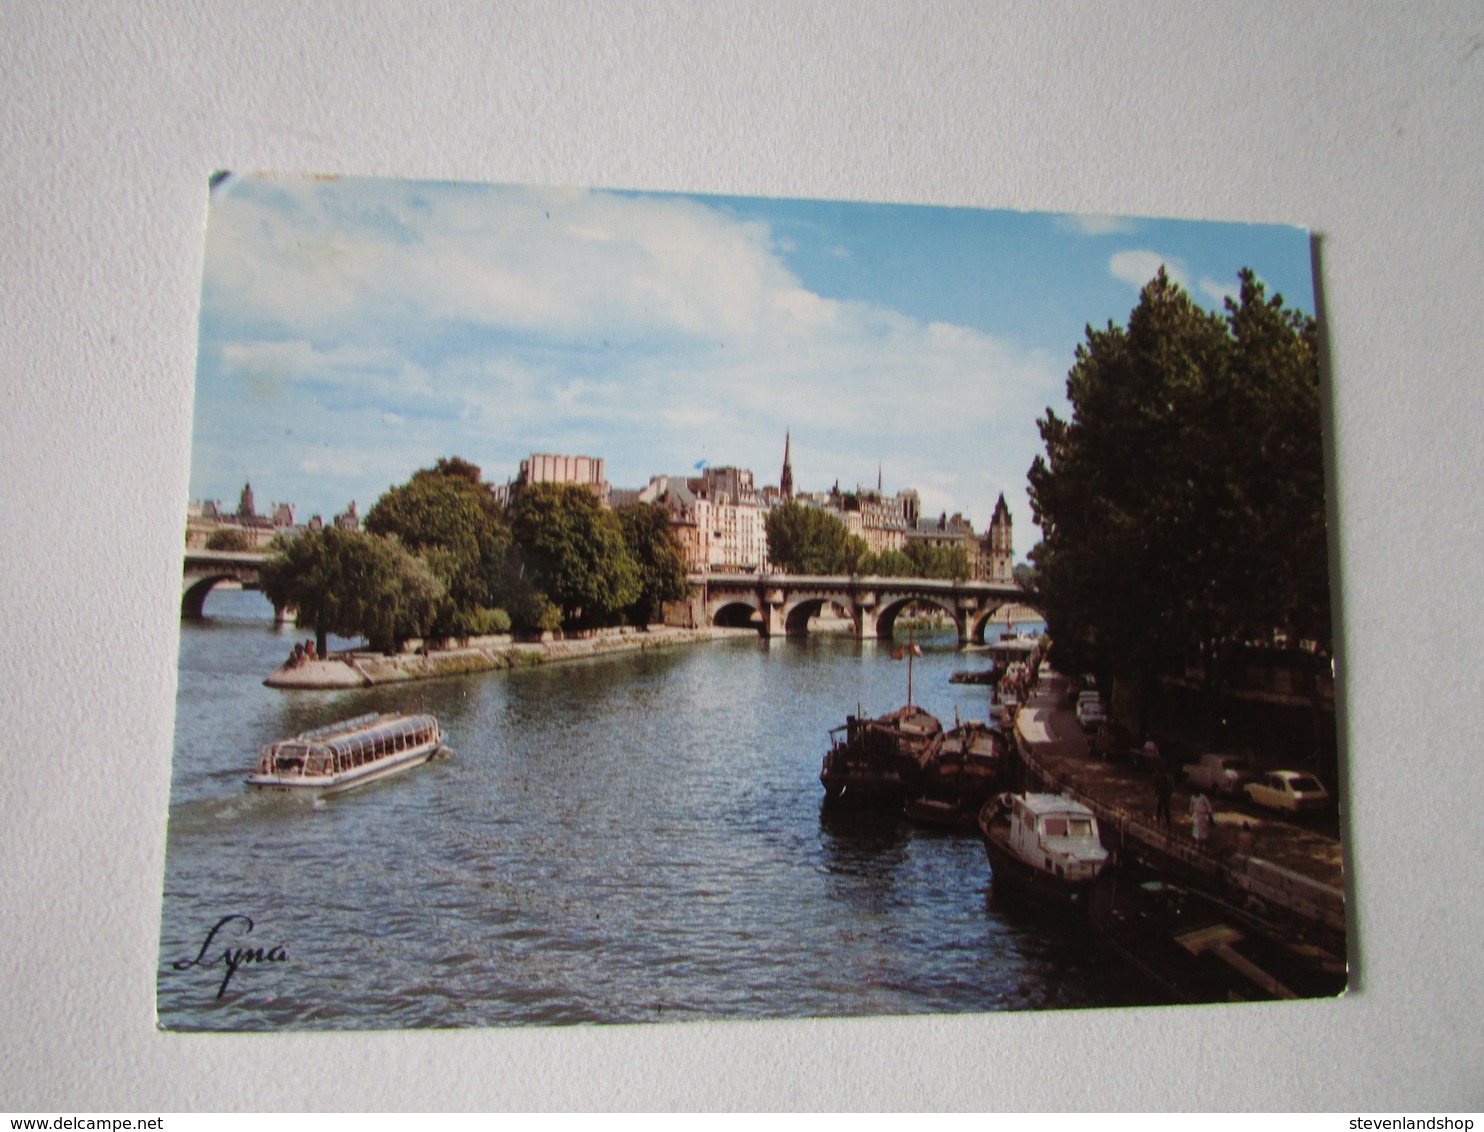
{"x": 904, "y": 650}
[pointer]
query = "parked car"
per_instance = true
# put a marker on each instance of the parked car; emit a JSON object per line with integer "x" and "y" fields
{"x": 1223, "y": 774}
{"x": 1090, "y": 714}
{"x": 1290, "y": 791}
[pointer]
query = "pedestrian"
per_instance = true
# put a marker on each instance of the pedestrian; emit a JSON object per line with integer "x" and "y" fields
{"x": 1164, "y": 788}
{"x": 1200, "y": 819}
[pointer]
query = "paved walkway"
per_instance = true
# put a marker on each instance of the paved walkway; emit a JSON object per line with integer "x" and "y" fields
{"x": 1290, "y": 863}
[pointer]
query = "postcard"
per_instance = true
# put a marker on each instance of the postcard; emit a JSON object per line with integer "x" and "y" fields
{"x": 625, "y": 607}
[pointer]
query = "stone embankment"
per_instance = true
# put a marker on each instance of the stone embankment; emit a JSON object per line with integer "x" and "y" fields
{"x": 1292, "y": 871}
{"x": 362, "y": 669}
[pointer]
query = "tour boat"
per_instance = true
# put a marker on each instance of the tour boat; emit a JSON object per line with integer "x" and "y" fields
{"x": 329, "y": 760}
{"x": 880, "y": 759}
{"x": 1044, "y": 844}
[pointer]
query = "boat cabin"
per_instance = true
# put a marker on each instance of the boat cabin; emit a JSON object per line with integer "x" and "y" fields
{"x": 1057, "y": 835}
{"x": 344, "y": 747}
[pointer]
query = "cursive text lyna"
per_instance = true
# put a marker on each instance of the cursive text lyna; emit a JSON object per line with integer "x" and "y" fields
{"x": 232, "y": 957}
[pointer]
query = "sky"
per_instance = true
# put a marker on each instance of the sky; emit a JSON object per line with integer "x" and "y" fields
{"x": 353, "y": 331}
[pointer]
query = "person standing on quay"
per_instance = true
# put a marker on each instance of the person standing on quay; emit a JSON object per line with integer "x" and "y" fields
{"x": 1164, "y": 787}
{"x": 1200, "y": 819}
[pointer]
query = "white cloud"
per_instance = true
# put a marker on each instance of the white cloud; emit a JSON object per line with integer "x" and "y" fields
{"x": 651, "y": 331}
{"x": 1138, "y": 266}
{"x": 1219, "y": 292}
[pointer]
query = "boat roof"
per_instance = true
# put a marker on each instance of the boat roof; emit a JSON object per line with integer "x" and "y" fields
{"x": 370, "y": 726}
{"x": 1040, "y": 804}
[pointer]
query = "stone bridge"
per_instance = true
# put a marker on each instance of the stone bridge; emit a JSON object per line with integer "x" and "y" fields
{"x": 206, "y": 568}
{"x": 782, "y": 604}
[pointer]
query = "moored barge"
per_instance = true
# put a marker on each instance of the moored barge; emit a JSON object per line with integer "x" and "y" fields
{"x": 880, "y": 759}
{"x": 963, "y": 772}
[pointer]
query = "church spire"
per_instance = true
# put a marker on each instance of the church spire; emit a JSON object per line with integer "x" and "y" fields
{"x": 786, "y": 480}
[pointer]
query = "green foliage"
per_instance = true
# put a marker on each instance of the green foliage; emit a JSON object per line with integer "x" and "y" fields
{"x": 1026, "y": 576}
{"x": 449, "y": 517}
{"x": 1183, "y": 503}
{"x": 230, "y": 539}
{"x": 353, "y": 584}
{"x": 889, "y": 564}
{"x": 660, "y": 559}
{"x": 570, "y": 549}
{"x": 930, "y": 561}
{"x": 808, "y": 540}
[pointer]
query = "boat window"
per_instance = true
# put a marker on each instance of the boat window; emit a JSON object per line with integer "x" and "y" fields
{"x": 1056, "y": 827}
{"x": 1079, "y": 827}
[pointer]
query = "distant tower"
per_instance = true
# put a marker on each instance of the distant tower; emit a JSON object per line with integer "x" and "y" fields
{"x": 245, "y": 508}
{"x": 878, "y": 479}
{"x": 786, "y": 480}
{"x": 1001, "y": 546}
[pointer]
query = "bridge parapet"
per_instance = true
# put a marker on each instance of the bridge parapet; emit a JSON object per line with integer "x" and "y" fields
{"x": 782, "y": 604}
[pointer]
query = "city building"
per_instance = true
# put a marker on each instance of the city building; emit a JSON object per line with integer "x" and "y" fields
{"x": 206, "y": 517}
{"x": 739, "y": 536}
{"x": 997, "y": 548}
{"x": 545, "y": 467}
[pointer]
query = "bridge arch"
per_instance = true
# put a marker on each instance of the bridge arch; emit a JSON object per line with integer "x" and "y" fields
{"x": 193, "y": 600}
{"x": 980, "y": 621}
{"x": 891, "y": 608}
{"x": 737, "y": 613}
{"x": 798, "y": 614}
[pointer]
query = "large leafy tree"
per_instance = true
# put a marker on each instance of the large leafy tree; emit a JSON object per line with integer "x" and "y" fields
{"x": 1183, "y": 502}
{"x": 570, "y": 551}
{"x": 352, "y": 584}
{"x": 448, "y": 516}
{"x": 659, "y": 556}
{"x": 808, "y": 540}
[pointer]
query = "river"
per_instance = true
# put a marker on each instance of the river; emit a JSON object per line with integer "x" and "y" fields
{"x": 632, "y": 838}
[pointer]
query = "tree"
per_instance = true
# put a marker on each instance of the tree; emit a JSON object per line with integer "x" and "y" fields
{"x": 569, "y": 549}
{"x": 352, "y": 584}
{"x": 229, "y": 538}
{"x": 659, "y": 556}
{"x": 928, "y": 561}
{"x": 449, "y": 516}
{"x": 1183, "y": 502}
{"x": 808, "y": 540}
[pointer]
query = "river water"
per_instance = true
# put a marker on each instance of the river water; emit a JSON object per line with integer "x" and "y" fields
{"x": 632, "y": 838}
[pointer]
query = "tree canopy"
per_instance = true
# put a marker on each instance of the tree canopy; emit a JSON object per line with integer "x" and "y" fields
{"x": 808, "y": 540}
{"x": 447, "y": 515}
{"x": 570, "y": 550}
{"x": 1183, "y": 503}
{"x": 353, "y": 584}
{"x": 659, "y": 557}
{"x": 229, "y": 538}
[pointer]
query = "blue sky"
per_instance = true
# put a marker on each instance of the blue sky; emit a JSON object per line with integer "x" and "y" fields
{"x": 353, "y": 331}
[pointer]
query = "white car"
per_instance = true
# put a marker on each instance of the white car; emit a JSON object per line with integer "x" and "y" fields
{"x": 1291, "y": 791}
{"x": 1090, "y": 713}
